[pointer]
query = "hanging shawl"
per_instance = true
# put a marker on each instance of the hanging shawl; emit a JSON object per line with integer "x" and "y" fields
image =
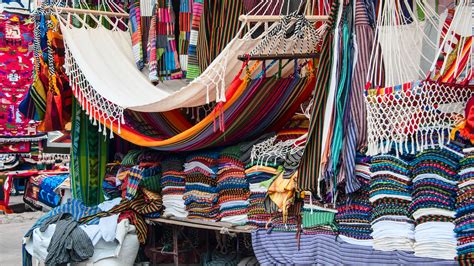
{"x": 309, "y": 170}
{"x": 136, "y": 30}
{"x": 89, "y": 159}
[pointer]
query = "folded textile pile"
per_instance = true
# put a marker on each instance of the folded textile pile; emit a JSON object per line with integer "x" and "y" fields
{"x": 390, "y": 195}
{"x": 111, "y": 184}
{"x": 259, "y": 179}
{"x": 433, "y": 206}
{"x": 354, "y": 212}
{"x": 201, "y": 194}
{"x": 232, "y": 186}
{"x": 465, "y": 211}
{"x": 173, "y": 184}
{"x": 318, "y": 220}
{"x": 48, "y": 186}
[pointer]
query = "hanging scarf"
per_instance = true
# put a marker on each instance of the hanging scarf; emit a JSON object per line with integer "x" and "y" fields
{"x": 88, "y": 158}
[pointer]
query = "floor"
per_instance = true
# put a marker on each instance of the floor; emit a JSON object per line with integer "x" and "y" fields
{"x": 12, "y": 228}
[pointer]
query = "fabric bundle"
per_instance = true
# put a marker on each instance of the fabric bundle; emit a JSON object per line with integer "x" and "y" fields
{"x": 465, "y": 211}
{"x": 111, "y": 185}
{"x": 433, "y": 206}
{"x": 173, "y": 183}
{"x": 232, "y": 186}
{"x": 48, "y": 186}
{"x": 354, "y": 213}
{"x": 259, "y": 179}
{"x": 201, "y": 194}
{"x": 392, "y": 227}
{"x": 317, "y": 219}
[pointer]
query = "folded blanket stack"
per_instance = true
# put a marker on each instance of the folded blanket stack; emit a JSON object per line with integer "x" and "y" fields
{"x": 354, "y": 212}
{"x": 259, "y": 179}
{"x": 433, "y": 207}
{"x": 48, "y": 186}
{"x": 465, "y": 212}
{"x": 390, "y": 195}
{"x": 173, "y": 187}
{"x": 201, "y": 193}
{"x": 232, "y": 186}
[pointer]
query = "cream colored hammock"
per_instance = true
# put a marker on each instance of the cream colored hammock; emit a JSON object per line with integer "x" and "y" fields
{"x": 105, "y": 80}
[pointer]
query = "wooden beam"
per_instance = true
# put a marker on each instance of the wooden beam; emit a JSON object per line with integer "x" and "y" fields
{"x": 216, "y": 226}
{"x": 277, "y": 56}
{"x": 250, "y": 18}
{"x": 88, "y": 11}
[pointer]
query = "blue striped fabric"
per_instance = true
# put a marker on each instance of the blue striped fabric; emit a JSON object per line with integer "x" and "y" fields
{"x": 279, "y": 248}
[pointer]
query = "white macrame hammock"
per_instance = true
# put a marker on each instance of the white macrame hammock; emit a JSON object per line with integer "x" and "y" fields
{"x": 418, "y": 114}
{"x": 100, "y": 65}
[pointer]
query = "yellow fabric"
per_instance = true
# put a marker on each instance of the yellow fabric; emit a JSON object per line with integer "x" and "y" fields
{"x": 282, "y": 192}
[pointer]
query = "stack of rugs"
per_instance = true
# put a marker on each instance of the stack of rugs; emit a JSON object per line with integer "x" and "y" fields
{"x": 232, "y": 186}
{"x": 465, "y": 211}
{"x": 433, "y": 207}
{"x": 390, "y": 195}
{"x": 354, "y": 212}
{"x": 173, "y": 187}
{"x": 259, "y": 179}
{"x": 201, "y": 193}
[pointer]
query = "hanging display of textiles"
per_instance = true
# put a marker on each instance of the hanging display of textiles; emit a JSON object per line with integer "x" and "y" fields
{"x": 16, "y": 67}
{"x": 309, "y": 169}
{"x": 88, "y": 158}
{"x": 50, "y": 97}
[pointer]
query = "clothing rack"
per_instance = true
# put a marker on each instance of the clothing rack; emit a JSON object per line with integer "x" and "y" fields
{"x": 277, "y": 56}
{"x": 263, "y": 18}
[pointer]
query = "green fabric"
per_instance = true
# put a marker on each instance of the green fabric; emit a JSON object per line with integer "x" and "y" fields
{"x": 131, "y": 158}
{"x": 88, "y": 158}
{"x": 318, "y": 218}
{"x": 151, "y": 179}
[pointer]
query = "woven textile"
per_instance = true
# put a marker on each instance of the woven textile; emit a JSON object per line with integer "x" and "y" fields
{"x": 309, "y": 170}
{"x": 173, "y": 184}
{"x": 390, "y": 195}
{"x": 201, "y": 196}
{"x": 465, "y": 211}
{"x": 434, "y": 178}
{"x": 88, "y": 158}
{"x": 232, "y": 187}
{"x": 16, "y": 39}
{"x": 259, "y": 179}
{"x": 144, "y": 203}
{"x": 280, "y": 248}
{"x": 354, "y": 211}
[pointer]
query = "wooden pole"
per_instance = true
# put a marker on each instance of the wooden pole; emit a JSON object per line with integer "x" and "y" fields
{"x": 88, "y": 11}
{"x": 249, "y": 18}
